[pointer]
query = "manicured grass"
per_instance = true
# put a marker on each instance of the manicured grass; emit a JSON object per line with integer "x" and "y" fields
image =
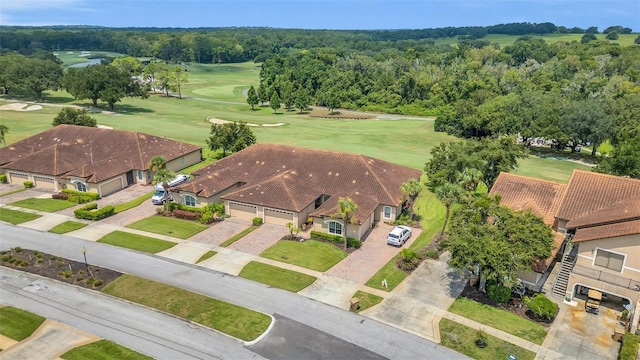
{"x": 66, "y": 227}
{"x": 238, "y": 236}
{"x": 136, "y": 242}
{"x": 462, "y": 339}
{"x": 16, "y": 217}
{"x": 310, "y": 254}
{"x": 230, "y": 319}
{"x": 277, "y": 277}
{"x": 103, "y": 350}
{"x": 499, "y": 319}
{"x": 548, "y": 168}
{"x": 118, "y": 208}
{"x": 367, "y": 300}
{"x": 504, "y": 40}
{"x": 13, "y": 192}
{"x": 18, "y": 324}
{"x": 209, "y": 254}
{"x": 48, "y": 205}
{"x": 432, "y": 214}
{"x": 182, "y": 229}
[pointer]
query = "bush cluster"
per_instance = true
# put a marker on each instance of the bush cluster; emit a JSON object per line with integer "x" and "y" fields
{"x": 431, "y": 254}
{"x": 498, "y": 293}
{"x": 173, "y": 206}
{"x": 60, "y": 196}
{"x": 336, "y": 239}
{"x": 90, "y": 212}
{"x": 185, "y": 214}
{"x": 257, "y": 221}
{"x": 542, "y": 307}
{"x": 28, "y": 184}
{"x": 629, "y": 348}
{"x": 80, "y": 197}
{"x": 3, "y": 178}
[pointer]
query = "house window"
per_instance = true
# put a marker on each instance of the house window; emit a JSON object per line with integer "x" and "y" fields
{"x": 189, "y": 200}
{"x": 610, "y": 260}
{"x": 81, "y": 187}
{"x": 140, "y": 175}
{"x": 181, "y": 159}
{"x": 149, "y": 175}
{"x": 387, "y": 212}
{"x": 335, "y": 228}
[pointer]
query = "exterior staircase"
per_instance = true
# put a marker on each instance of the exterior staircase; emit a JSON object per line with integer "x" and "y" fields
{"x": 568, "y": 261}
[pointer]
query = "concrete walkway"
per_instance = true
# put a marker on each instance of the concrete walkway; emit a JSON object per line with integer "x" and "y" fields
{"x": 415, "y": 306}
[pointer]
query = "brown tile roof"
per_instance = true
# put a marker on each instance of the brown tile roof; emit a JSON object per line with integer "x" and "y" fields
{"x": 289, "y": 178}
{"x": 520, "y": 192}
{"x": 607, "y": 231}
{"x": 541, "y": 265}
{"x": 366, "y": 206}
{"x": 628, "y": 209}
{"x": 88, "y": 152}
{"x": 591, "y": 196}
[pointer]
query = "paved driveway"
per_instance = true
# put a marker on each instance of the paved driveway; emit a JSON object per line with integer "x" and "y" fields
{"x": 27, "y": 194}
{"x": 361, "y": 264}
{"x": 221, "y": 232}
{"x": 260, "y": 239}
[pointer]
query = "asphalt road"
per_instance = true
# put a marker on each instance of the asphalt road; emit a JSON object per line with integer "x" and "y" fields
{"x": 362, "y": 332}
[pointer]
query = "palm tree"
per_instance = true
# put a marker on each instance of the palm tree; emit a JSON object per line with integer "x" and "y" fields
{"x": 411, "y": 188}
{"x": 3, "y": 131}
{"x": 157, "y": 163}
{"x": 163, "y": 176}
{"x": 470, "y": 178}
{"x": 346, "y": 209}
{"x": 449, "y": 194}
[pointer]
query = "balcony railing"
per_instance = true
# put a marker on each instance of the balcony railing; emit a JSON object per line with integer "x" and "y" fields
{"x": 607, "y": 277}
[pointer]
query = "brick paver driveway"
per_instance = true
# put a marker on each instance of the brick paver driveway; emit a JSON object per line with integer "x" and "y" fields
{"x": 360, "y": 265}
{"x": 27, "y": 194}
{"x": 260, "y": 239}
{"x": 221, "y": 232}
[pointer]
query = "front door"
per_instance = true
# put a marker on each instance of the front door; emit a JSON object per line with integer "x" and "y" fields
{"x": 130, "y": 180}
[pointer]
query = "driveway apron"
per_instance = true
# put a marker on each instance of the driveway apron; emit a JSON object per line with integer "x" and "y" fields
{"x": 221, "y": 232}
{"x": 260, "y": 239}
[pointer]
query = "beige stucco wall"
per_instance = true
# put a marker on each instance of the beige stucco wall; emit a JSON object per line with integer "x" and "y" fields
{"x": 576, "y": 279}
{"x": 627, "y": 245}
{"x": 322, "y": 225}
{"x": 530, "y": 278}
{"x": 379, "y": 213}
{"x": 182, "y": 162}
{"x": 19, "y": 177}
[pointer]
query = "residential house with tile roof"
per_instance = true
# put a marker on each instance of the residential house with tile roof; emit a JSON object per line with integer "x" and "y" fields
{"x": 599, "y": 215}
{"x": 283, "y": 184}
{"x": 91, "y": 159}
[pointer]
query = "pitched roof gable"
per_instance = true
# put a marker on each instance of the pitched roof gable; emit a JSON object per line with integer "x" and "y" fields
{"x": 518, "y": 192}
{"x": 89, "y": 152}
{"x": 302, "y": 174}
{"x": 589, "y": 193}
{"x": 607, "y": 231}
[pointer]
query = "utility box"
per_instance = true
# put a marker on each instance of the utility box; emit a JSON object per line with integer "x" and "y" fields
{"x": 355, "y": 304}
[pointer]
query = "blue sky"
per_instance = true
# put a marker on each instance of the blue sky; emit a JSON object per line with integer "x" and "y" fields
{"x": 320, "y": 14}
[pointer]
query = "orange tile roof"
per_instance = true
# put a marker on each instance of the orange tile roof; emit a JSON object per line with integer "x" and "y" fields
{"x": 518, "y": 192}
{"x": 92, "y": 153}
{"x": 290, "y": 178}
{"x": 541, "y": 265}
{"x": 592, "y": 195}
{"x": 607, "y": 231}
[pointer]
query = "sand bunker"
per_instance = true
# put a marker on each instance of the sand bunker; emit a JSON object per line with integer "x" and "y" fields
{"x": 20, "y": 107}
{"x": 220, "y": 121}
{"x": 104, "y": 127}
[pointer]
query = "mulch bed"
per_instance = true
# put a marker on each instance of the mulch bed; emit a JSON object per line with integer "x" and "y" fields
{"x": 471, "y": 292}
{"x": 58, "y": 268}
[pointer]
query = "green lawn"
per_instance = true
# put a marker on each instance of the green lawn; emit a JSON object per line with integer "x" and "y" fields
{"x": 310, "y": 254}
{"x": 548, "y": 168}
{"x": 179, "y": 228}
{"x": 227, "y": 318}
{"x": 432, "y": 214}
{"x": 504, "y": 40}
{"x": 462, "y": 339}
{"x": 118, "y": 208}
{"x": 499, "y": 319}
{"x": 48, "y": 205}
{"x": 16, "y": 217}
{"x": 66, "y": 227}
{"x": 367, "y": 300}
{"x": 276, "y": 277}
{"x": 18, "y": 324}
{"x": 136, "y": 242}
{"x": 238, "y": 236}
{"x": 209, "y": 254}
{"x": 103, "y": 350}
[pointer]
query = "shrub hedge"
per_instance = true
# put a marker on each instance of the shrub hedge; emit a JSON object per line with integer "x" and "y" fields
{"x": 28, "y": 184}
{"x": 173, "y": 206}
{"x": 185, "y": 214}
{"x": 257, "y": 221}
{"x": 498, "y": 293}
{"x": 629, "y": 348}
{"x": 81, "y": 197}
{"x": 90, "y": 212}
{"x": 542, "y": 307}
{"x": 3, "y": 178}
{"x": 337, "y": 239}
{"x": 60, "y": 196}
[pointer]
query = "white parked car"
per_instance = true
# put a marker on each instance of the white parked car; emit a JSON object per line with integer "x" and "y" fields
{"x": 399, "y": 235}
{"x": 158, "y": 195}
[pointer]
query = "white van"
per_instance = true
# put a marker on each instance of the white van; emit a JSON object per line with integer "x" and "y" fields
{"x": 158, "y": 194}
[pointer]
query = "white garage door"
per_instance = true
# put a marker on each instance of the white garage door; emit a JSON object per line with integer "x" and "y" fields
{"x": 44, "y": 182}
{"x": 17, "y": 178}
{"x": 242, "y": 211}
{"x": 278, "y": 217}
{"x": 110, "y": 187}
